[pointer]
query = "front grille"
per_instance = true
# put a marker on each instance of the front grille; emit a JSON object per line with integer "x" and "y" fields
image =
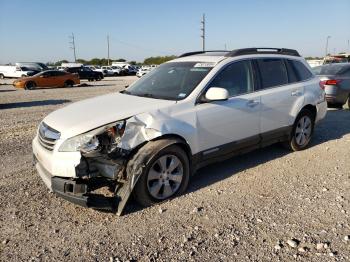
{"x": 47, "y": 136}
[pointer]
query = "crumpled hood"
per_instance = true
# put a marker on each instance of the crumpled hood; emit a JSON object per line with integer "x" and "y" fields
{"x": 85, "y": 115}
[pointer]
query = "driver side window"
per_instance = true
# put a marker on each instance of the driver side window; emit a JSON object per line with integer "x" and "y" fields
{"x": 237, "y": 78}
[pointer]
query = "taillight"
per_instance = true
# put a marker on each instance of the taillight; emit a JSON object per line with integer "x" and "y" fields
{"x": 329, "y": 82}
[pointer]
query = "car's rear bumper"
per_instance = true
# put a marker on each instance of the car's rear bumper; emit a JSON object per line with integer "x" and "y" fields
{"x": 321, "y": 108}
{"x": 333, "y": 99}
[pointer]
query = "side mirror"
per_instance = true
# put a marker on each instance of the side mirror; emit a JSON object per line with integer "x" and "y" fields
{"x": 217, "y": 94}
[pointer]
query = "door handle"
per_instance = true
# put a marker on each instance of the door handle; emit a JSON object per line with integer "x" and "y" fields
{"x": 296, "y": 93}
{"x": 252, "y": 103}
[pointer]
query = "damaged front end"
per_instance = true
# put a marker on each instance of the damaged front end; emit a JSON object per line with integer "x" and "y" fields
{"x": 101, "y": 181}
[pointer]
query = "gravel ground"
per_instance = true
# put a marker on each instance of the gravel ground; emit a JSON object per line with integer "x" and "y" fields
{"x": 267, "y": 205}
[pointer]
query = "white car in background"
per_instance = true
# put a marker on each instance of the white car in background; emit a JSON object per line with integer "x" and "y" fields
{"x": 143, "y": 71}
{"x": 189, "y": 112}
{"x": 10, "y": 71}
{"x": 108, "y": 71}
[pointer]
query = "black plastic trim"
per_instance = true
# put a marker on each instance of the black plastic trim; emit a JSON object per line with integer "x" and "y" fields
{"x": 77, "y": 192}
{"x": 201, "y": 52}
{"x": 243, "y": 146}
{"x": 263, "y": 50}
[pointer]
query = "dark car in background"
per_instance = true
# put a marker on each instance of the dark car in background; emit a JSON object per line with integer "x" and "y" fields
{"x": 85, "y": 73}
{"x": 335, "y": 80}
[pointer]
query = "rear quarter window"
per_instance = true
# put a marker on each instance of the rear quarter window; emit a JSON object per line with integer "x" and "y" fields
{"x": 292, "y": 74}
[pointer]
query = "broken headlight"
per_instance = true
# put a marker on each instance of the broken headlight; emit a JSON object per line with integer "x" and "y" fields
{"x": 104, "y": 138}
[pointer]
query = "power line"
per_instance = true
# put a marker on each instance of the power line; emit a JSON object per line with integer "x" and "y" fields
{"x": 108, "y": 48}
{"x": 72, "y": 46}
{"x": 203, "y": 31}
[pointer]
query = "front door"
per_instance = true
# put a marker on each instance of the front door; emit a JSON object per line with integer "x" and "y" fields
{"x": 224, "y": 126}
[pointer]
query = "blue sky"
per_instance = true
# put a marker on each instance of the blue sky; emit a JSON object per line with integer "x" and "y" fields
{"x": 38, "y": 30}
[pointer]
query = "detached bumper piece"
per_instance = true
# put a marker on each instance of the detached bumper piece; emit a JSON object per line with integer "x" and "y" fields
{"x": 79, "y": 193}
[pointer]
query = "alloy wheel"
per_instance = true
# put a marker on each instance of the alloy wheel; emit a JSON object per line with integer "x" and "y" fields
{"x": 303, "y": 130}
{"x": 165, "y": 176}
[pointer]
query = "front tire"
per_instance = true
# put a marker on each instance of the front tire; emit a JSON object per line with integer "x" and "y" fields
{"x": 165, "y": 176}
{"x": 30, "y": 85}
{"x": 302, "y": 131}
{"x": 2, "y": 76}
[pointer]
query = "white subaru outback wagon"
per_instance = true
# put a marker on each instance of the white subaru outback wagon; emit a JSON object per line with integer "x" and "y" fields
{"x": 202, "y": 107}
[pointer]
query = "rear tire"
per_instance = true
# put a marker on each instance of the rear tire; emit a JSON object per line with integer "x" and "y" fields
{"x": 158, "y": 182}
{"x": 2, "y": 76}
{"x": 335, "y": 105}
{"x": 302, "y": 131}
{"x": 69, "y": 83}
{"x": 30, "y": 85}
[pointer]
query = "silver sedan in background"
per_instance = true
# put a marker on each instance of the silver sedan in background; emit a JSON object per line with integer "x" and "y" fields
{"x": 335, "y": 80}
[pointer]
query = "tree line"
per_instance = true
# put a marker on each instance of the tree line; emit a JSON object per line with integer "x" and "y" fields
{"x": 156, "y": 60}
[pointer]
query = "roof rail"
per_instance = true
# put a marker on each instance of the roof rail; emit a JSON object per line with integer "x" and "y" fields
{"x": 262, "y": 50}
{"x": 201, "y": 52}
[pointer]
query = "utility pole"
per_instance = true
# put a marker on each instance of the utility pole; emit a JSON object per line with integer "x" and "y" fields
{"x": 108, "y": 48}
{"x": 348, "y": 46}
{"x": 73, "y": 46}
{"x": 327, "y": 45}
{"x": 203, "y": 32}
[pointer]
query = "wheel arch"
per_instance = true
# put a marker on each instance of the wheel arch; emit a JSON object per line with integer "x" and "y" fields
{"x": 311, "y": 108}
{"x": 167, "y": 140}
{"x": 142, "y": 153}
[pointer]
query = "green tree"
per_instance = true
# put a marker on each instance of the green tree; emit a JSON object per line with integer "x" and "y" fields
{"x": 157, "y": 60}
{"x": 82, "y": 61}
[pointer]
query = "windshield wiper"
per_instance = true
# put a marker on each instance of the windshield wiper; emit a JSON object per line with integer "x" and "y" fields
{"x": 146, "y": 95}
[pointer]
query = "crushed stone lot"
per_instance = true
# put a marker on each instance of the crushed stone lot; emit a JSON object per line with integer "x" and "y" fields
{"x": 267, "y": 205}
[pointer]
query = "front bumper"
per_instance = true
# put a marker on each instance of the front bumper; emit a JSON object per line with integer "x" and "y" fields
{"x": 58, "y": 172}
{"x": 77, "y": 191}
{"x": 61, "y": 164}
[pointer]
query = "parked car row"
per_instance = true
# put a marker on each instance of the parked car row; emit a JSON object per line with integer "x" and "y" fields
{"x": 116, "y": 69}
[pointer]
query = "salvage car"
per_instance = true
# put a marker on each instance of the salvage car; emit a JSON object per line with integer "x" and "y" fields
{"x": 148, "y": 139}
{"x": 49, "y": 78}
{"x": 335, "y": 80}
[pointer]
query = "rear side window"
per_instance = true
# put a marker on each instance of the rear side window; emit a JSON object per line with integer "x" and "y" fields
{"x": 301, "y": 70}
{"x": 60, "y": 73}
{"x": 273, "y": 72}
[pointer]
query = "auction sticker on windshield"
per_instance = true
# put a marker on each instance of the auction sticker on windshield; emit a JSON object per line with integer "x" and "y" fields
{"x": 204, "y": 65}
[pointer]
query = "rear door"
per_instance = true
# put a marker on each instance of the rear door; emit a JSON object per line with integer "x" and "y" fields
{"x": 279, "y": 90}
{"x": 60, "y": 78}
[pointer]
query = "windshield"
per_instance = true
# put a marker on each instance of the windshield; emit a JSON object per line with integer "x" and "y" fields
{"x": 172, "y": 81}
